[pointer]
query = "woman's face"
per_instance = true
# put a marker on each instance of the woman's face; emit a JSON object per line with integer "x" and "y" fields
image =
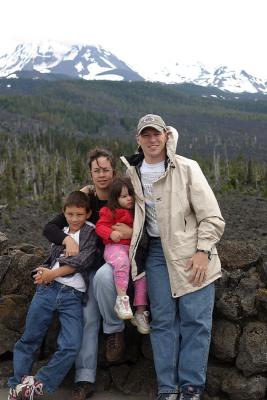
{"x": 102, "y": 173}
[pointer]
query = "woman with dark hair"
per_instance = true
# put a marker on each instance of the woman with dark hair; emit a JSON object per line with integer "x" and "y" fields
{"x": 102, "y": 291}
{"x": 120, "y": 209}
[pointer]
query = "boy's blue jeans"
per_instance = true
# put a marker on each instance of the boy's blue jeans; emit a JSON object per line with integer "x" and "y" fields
{"x": 180, "y": 328}
{"x": 47, "y": 299}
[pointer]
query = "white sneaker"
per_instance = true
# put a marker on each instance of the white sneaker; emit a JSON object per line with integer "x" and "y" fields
{"x": 29, "y": 387}
{"x": 123, "y": 308}
{"x": 12, "y": 394}
{"x": 141, "y": 321}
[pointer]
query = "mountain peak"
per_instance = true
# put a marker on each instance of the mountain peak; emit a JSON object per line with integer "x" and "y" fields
{"x": 94, "y": 62}
{"x": 73, "y": 60}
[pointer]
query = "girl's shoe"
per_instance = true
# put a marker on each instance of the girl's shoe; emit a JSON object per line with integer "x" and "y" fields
{"x": 141, "y": 321}
{"x": 123, "y": 308}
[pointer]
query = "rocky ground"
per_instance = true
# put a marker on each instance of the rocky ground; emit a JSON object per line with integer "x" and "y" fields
{"x": 238, "y": 358}
{"x": 245, "y": 218}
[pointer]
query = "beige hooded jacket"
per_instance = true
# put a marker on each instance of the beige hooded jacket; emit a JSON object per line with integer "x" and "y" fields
{"x": 188, "y": 216}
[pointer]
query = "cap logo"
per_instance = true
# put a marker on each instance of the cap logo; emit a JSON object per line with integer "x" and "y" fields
{"x": 149, "y": 118}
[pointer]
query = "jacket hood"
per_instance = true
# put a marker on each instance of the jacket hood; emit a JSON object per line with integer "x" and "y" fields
{"x": 172, "y": 141}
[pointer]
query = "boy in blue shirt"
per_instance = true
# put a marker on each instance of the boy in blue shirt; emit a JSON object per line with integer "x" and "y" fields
{"x": 61, "y": 286}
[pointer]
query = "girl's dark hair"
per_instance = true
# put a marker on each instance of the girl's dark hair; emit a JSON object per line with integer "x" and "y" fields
{"x": 115, "y": 191}
{"x": 78, "y": 199}
{"x": 97, "y": 152}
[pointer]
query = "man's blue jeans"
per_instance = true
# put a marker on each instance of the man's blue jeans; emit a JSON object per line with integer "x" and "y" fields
{"x": 180, "y": 328}
{"x": 47, "y": 299}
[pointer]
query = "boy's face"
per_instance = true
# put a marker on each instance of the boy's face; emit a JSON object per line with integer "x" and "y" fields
{"x": 76, "y": 217}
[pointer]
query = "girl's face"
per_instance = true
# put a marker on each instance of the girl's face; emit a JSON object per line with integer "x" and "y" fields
{"x": 126, "y": 200}
{"x": 102, "y": 173}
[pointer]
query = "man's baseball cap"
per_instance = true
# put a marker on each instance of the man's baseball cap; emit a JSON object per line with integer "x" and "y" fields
{"x": 151, "y": 121}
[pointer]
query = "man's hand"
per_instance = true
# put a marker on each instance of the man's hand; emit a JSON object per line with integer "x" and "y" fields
{"x": 115, "y": 236}
{"x": 199, "y": 265}
{"x": 71, "y": 247}
{"x": 125, "y": 231}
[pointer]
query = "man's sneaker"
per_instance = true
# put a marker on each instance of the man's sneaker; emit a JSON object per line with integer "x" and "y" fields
{"x": 123, "y": 308}
{"x": 29, "y": 387}
{"x": 167, "y": 396}
{"x": 141, "y": 321}
{"x": 189, "y": 395}
{"x": 115, "y": 347}
{"x": 82, "y": 390}
{"x": 12, "y": 394}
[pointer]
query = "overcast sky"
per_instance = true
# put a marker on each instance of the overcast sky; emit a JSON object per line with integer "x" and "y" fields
{"x": 141, "y": 32}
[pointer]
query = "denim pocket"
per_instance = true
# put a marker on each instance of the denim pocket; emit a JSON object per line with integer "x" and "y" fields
{"x": 77, "y": 293}
{"x": 41, "y": 288}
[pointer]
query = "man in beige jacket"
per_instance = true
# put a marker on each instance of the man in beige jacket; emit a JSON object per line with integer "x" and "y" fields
{"x": 178, "y": 213}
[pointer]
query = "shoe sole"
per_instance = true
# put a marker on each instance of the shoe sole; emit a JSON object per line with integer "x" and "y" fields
{"x": 124, "y": 317}
{"x": 140, "y": 329}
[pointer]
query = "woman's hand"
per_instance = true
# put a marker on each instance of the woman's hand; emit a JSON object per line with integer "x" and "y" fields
{"x": 199, "y": 265}
{"x": 115, "y": 236}
{"x": 124, "y": 229}
{"x": 71, "y": 247}
{"x": 85, "y": 189}
{"x": 43, "y": 275}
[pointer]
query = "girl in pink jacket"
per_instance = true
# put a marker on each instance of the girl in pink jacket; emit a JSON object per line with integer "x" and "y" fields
{"x": 120, "y": 209}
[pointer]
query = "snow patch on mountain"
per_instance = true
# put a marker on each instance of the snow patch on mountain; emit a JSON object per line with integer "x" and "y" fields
{"x": 76, "y": 60}
{"x": 223, "y": 77}
{"x": 93, "y": 62}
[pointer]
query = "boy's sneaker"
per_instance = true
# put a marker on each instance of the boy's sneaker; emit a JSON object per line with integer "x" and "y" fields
{"x": 141, "y": 321}
{"x": 29, "y": 387}
{"x": 123, "y": 308}
{"x": 12, "y": 394}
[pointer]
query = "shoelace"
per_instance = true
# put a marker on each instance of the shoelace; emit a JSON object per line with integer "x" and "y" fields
{"x": 31, "y": 390}
{"x": 12, "y": 394}
{"x": 78, "y": 388}
{"x": 189, "y": 396}
{"x": 125, "y": 304}
{"x": 111, "y": 341}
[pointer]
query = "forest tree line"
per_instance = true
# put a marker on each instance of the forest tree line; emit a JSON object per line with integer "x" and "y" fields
{"x": 46, "y": 167}
{"x": 47, "y": 129}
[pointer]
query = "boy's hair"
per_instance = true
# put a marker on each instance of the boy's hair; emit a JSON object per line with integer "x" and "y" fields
{"x": 78, "y": 199}
{"x": 97, "y": 152}
{"x": 115, "y": 191}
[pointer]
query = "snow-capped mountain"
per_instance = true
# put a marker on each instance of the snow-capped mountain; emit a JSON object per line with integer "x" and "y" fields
{"x": 223, "y": 78}
{"x": 94, "y": 63}
{"x": 76, "y": 61}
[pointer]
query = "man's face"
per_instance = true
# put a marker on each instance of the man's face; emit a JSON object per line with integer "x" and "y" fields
{"x": 102, "y": 173}
{"x": 76, "y": 217}
{"x": 153, "y": 144}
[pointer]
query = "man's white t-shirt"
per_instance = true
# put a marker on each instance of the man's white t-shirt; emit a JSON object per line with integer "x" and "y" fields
{"x": 150, "y": 173}
{"x": 76, "y": 281}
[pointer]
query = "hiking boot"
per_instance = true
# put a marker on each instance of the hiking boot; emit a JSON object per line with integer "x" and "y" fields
{"x": 123, "y": 308}
{"x": 29, "y": 387}
{"x": 141, "y": 321}
{"x": 167, "y": 396}
{"x": 115, "y": 346}
{"x": 12, "y": 394}
{"x": 82, "y": 390}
